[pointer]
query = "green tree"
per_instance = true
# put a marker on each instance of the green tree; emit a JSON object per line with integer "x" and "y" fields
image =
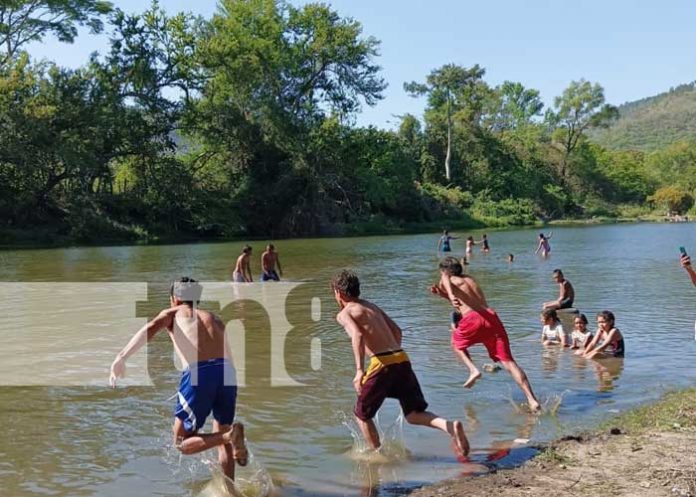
{"x": 579, "y": 108}
{"x": 516, "y": 107}
{"x": 276, "y": 73}
{"x": 673, "y": 198}
{"x": 24, "y": 21}
{"x": 446, "y": 88}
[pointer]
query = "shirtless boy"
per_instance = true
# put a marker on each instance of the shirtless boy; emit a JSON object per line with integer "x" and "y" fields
{"x": 389, "y": 373}
{"x": 242, "y": 269}
{"x": 479, "y": 324}
{"x": 208, "y": 382}
{"x": 566, "y": 293}
{"x": 269, "y": 262}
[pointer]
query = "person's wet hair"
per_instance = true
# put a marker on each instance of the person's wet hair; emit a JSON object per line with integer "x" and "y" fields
{"x": 558, "y": 272}
{"x": 270, "y": 246}
{"x": 549, "y": 314}
{"x": 247, "y": 249}
{"x": 451, "y": 266}
{"x": 607, "y": 316}
{"x": 187, "y": 290}
{"x": 347, "y": 283}
{"x": 582, "y": 318}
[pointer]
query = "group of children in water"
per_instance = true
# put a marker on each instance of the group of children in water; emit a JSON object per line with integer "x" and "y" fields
{"x": 607, "y": 340}
{"x": 207, "y": 384}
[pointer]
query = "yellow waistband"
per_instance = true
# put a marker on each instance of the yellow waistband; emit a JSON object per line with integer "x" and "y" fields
{"x": 377, "y": 362}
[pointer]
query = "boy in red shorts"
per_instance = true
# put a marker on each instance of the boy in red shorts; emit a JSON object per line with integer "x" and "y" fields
{"x": 389, "y": 373}
{"x": 478, "y": 324}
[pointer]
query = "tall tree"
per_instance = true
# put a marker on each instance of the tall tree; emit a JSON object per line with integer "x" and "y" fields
{"x": 516, "y": 106}
{"x": 580, "y": 107}
{"x": 24, "y": 21}
{"x": 445, "y": 88}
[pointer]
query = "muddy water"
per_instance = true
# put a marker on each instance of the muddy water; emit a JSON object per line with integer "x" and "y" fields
{"x": 66, "y": 434}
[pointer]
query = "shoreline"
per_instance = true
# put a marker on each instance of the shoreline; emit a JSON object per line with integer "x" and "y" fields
{"x": 647, "y": 450}
{"x": 38, "y": 239}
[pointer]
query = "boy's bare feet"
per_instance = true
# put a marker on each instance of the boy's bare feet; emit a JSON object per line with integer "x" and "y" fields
{"x": 472, "y": 379}
{"x": 460, "y": 440}
{"x": 239, "y": 450}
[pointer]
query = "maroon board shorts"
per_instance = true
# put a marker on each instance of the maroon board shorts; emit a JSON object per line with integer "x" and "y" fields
{"x": 397, "y": 381}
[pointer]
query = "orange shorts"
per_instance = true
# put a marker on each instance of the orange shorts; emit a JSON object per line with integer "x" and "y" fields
{"x": 483, "y": 327}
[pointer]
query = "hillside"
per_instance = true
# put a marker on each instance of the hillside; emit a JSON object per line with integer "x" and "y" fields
{"x": 654, "y": 122}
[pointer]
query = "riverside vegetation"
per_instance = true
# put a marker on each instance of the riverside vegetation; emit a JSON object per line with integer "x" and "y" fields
{"x": 243, "y": 124}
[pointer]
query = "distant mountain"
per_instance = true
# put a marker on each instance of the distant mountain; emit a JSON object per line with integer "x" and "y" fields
{"x": 654, "y": 122}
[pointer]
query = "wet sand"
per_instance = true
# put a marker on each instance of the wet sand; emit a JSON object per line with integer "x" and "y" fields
{"x": 647, "y": 451}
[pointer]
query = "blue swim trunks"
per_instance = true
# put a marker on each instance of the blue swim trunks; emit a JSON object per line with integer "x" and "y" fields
{"x": 270, "y": 276}
{"x": 206, "y": 386}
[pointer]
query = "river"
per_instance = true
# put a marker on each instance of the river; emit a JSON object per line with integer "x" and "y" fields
{"x": 65, "y": 433}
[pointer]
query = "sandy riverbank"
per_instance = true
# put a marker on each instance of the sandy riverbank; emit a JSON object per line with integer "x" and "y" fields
{"x": 649, "y": 451}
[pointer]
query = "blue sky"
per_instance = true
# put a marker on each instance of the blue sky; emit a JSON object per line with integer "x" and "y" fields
{"x": 634, "y": 49}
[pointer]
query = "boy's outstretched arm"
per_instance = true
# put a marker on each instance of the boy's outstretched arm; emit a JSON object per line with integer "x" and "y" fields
{"x": 145, "y": 334}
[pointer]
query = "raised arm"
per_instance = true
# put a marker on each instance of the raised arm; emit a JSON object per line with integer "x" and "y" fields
{"x": 163, "y": 320}
{"x": 686, "y": 264}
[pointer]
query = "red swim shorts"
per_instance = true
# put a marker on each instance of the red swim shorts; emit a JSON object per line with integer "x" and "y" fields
{"x": 484, "y": 327}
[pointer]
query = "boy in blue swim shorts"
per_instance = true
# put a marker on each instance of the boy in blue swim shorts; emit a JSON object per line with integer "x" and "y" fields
{"x": 208, "y": 383}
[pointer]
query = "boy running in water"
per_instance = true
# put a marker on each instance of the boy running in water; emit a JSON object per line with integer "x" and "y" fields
{"x": 389, "y": 373}
{"x": 207, "y": 384}
{"x": 478, "y": 324}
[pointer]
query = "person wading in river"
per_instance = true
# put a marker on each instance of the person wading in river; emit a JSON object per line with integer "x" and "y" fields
{"x": 208, "y": 384}
{"x": 389, "y": 373}
{"x": 478, "y": 324}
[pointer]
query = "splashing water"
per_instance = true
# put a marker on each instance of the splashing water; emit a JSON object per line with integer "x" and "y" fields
{"x": 549, "y": 406}
{"x": 393, "y": 449}
{"x": 252, "y": 480}
{"x": 255, "y": 481}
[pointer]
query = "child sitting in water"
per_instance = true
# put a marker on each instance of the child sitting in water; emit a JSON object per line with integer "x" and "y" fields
{"x": 611, "y": 338}
{"x": 552, "y": 332}
{"x": 580, "y": 338}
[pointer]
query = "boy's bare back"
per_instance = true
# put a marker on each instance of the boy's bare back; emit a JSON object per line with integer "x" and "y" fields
{"x": 465, "y": 290}
{"x": 379, "y": 332}
{"x": 198, "y": 338}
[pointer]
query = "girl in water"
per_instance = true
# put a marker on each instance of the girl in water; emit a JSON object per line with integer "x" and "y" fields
{"x": 470, "y": 245}
{"x": 552, "y": 333}
{"x": 612, "y": 340}
{"x": 580, "y": 337}
{"x": 544, "y": 244}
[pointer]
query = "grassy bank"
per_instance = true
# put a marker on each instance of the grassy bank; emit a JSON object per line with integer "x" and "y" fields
{"x": 646, "y": 451}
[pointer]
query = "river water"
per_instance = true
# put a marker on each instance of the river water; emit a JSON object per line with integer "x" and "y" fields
{"x": 65, "y": 433}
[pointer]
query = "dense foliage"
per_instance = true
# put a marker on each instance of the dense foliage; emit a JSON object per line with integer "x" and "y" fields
{"x": 243, "y": 124}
